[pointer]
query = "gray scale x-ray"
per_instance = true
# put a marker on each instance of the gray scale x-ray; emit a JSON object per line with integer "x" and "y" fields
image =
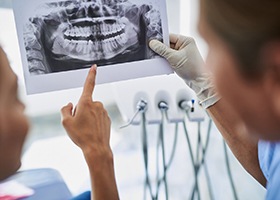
{"x": 71, "y": 35}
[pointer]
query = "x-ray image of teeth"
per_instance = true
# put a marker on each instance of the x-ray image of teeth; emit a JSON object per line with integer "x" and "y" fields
{"x": 75, "y": 34}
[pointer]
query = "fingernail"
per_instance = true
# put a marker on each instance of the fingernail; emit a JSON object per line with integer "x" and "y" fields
{"x": 93, "y": 67}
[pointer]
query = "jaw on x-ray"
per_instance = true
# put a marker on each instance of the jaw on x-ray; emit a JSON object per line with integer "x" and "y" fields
{"x": 75, "y": 34}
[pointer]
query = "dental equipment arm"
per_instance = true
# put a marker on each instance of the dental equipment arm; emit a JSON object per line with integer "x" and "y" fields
{"x": 187, "y": 62}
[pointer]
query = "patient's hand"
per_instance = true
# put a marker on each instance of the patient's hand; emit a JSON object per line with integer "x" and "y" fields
{"x": 89, "y": 128}
{"x": 89, "y": 125}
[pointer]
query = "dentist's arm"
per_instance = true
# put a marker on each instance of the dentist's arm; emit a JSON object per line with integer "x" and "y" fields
{"x": 187, "y": 62}
{"x": 243, "y": 146}
{"x": 89, "y": 128}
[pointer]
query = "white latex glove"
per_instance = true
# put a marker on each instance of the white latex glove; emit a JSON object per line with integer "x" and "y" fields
{"x": 187, "y": 62}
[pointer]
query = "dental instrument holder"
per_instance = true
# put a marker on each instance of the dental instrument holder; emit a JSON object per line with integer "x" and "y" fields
{"x": 187, "y": 105}
{"x": 163, "y": 106}
{"x": 142, "y": 107}
{"x": 169, "y": 88}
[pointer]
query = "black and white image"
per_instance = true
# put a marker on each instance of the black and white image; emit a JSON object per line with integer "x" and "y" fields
{"x": 74, "y": 34}
{"x": 60, "y": 40}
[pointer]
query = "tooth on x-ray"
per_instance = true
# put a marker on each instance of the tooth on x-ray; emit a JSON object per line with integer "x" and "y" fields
{"x": 73, "y": 34}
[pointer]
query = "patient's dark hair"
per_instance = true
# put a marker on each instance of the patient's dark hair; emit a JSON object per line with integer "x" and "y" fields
{"x": 245, "y": 26}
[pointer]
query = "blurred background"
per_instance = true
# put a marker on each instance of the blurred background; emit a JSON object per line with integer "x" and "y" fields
{"x": 48, "y": 146}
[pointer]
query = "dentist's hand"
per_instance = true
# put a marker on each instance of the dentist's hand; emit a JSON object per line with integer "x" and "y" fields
{"x": 187, "y": 62}
{"x": 89, "y": 125}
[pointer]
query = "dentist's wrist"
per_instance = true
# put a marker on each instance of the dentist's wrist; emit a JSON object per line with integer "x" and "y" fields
{"x": 210, "y": 101}
{"x": 205, "y": 91}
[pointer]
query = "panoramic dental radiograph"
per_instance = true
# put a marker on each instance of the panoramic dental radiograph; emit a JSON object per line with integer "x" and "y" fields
{"x": 75, "y": 34}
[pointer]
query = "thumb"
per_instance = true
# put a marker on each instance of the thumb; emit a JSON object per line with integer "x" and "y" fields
{"x": 160, "y": 48}
{"x": 66, "y": 113}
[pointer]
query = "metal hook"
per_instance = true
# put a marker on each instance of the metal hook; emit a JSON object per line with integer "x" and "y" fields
{"x": 163, "y": 107}
{"x": 142, "y": 106}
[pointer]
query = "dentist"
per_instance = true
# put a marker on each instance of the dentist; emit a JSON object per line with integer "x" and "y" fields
{"x": 240, "y": 85}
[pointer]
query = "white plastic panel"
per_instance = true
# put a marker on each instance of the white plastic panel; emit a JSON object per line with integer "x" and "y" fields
{"x": 170, "y": 89}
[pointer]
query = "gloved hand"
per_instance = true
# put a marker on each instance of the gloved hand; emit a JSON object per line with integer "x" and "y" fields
{"x": 187, "y": 62}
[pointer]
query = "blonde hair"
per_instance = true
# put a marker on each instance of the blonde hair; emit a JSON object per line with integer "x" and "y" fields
{"x": 245, "y": 26}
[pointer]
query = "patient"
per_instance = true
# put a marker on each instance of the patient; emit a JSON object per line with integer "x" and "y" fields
{"x": 13, "y": 123}
{"x": 88, "y": 126}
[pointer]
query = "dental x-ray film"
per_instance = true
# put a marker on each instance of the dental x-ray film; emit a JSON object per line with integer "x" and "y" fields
{"x": 61, "y": 39}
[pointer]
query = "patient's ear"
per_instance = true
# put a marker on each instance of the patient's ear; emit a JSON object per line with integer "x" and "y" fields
{"x": 270, "y": 59}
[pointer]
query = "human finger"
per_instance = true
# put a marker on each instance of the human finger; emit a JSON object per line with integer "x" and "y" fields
{"x": 183, "y": 41}
{"x": 172, "y": 46}
{"x": 173, "y": 38}
{"x": 66, "y": 113}
{"x": 160, "y": 48}
{"x": 89, "y": 83}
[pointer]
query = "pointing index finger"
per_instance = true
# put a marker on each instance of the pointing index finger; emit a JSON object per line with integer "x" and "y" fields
{"x": 90, "y": 82}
